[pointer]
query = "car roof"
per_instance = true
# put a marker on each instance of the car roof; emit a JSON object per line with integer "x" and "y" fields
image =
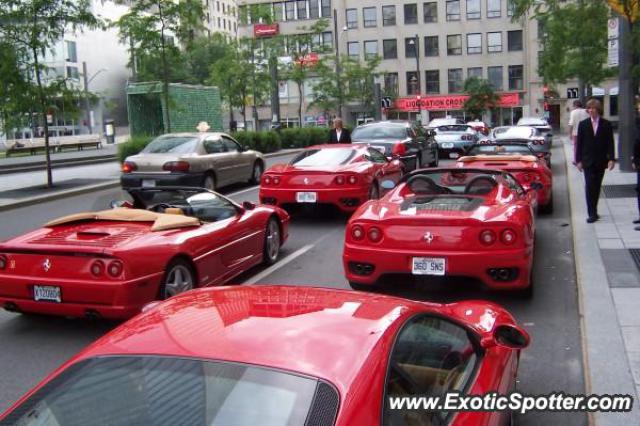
{"x": 397, "y": 123}
{"x": 200, "y": 135}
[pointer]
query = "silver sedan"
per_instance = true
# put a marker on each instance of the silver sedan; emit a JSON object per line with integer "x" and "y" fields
{"x": 207, "y": 160}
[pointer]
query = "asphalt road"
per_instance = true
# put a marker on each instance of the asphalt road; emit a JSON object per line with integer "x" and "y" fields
{"x": 34, "y": 346}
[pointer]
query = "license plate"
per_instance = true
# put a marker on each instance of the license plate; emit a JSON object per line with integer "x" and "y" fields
{"x": 306, "y": 197}
{"x": 428, "y": 266}
{"x": 48, "y": 293}
{"x": 454, "y": 155}
{"x": 447, "y": 145}
{"x": 148, "y": 183}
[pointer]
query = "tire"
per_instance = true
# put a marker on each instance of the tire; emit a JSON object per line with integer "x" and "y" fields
{"x": 271, "y": 248}
{"x": 209, "y": 181}
{"x": 256, "y": 173}
{"x": 434, "y": 163}
{"x": 374, "y": 192}
{"x": 178, "y": 278}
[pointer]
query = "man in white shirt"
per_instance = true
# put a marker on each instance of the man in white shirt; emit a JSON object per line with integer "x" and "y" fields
{"x": 577, "y": 115}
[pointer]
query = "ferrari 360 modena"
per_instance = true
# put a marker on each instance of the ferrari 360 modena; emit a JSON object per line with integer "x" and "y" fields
{"x": 277, "y": 356}
{"x": 474, "y": 223}
{"x": 343, "y": 175}
{"x": 111, "y": 263}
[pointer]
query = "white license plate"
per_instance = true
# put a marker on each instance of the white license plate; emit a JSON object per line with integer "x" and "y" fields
{"x": 306, "y": 197}
{"x": 454, "y": 155}
{"x": 148, "y": 183}
{"x": 428, "y": 266}
{"x": 48, "y": 293}
{"x": 447, "y": 145}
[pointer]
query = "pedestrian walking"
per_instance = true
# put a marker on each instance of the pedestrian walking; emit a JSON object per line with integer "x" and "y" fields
{"x": 594, "y": 154}
{"x": 578, "y": 114}
{"x": 339, "y": 134}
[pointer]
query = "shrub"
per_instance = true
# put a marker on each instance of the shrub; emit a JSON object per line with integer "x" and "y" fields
{"x": 133, "y": 146}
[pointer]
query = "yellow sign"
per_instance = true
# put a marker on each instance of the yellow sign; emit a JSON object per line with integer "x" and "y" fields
{"x": 627, "y": 8}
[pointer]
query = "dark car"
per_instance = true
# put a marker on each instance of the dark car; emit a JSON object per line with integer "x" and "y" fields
{"x": 413, "y": 145}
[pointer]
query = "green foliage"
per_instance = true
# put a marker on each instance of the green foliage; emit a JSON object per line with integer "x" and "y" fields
{"x": 260, "y": 141}
{"x": 133, "y": 146}
{"x": 481, "y": 96}
{"x": 303, "y": 137}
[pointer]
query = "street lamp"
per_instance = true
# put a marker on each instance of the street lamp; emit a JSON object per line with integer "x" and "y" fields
{"x": 86, "y": 92}
{"x": 416, "y": 42}
{"x": 337, "y": 41}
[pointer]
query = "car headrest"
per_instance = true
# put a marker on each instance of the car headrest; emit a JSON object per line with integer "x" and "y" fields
{"x": 173, "y": 210}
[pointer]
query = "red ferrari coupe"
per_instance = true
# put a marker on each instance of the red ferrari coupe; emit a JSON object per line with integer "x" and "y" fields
{"x": 342, "y": 175}
{"x": 278, "y": 356}
{"x": 111, "y": 263}
{"x": 445, "y": 222}
{"x": 528, "y": 168}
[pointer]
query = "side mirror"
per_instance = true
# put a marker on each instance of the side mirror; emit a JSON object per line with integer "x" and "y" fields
{"x": 115, "y": 204}
{"x": 388, "y": 184}
{"x": 511, "y": 336}
{"x": 537, "y": 186}
{"x": 248, "y": 205}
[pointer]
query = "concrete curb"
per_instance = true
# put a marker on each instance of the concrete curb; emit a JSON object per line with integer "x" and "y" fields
{"x": 57, "y": 164}
{"x": 606, "y": 365}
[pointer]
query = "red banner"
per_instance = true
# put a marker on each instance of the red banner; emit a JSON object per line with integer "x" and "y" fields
{"x": 435, "y": 103}
{"x": 265, "y": 30}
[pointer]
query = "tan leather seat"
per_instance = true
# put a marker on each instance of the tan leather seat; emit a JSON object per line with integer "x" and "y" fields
{"x": 174, "y": 210}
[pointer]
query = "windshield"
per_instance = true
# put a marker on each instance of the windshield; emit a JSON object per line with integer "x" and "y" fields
{"x": 500, "y": 150}
{"x": 204, "y": 205}
{"x": 172, "y": 144}
{"x": 516, "y": 133}
{"x": 436, "y": 122}
{"x": 323, "y": 157}
{"x": 379, "y": 132}
{"x": 456, "y": 182}
{"x": 152, "y": 390}
{"x": 531, "y": 121}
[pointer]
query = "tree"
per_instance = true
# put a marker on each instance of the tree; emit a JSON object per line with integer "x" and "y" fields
{"x": 33, "y": 27}
{"x": 481, "y": 96}
{"x": 17, "y": 93}
{"x": 360, "y": 78}
{"x": 150, "y": 26}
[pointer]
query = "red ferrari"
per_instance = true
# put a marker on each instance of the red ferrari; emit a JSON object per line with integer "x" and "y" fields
{"x": 111, "y": 263}
{"x": 528, "y": 168}
{"x": 445, "y": 222}
{"x": 344, "y": 175}
{"x": 277, "y": 356}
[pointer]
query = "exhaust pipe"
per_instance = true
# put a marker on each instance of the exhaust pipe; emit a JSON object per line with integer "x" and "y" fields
{"x": 11, "y": 307}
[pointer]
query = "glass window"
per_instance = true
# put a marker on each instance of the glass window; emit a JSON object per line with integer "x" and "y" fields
{"x": 412, "y": 83}
{"x": 516, "y": 77}
{"x": 474, "y": 43}
{"x": 314, "y": 9}
{"x": 542, "y": 31}
{"x": 390, "y": 49}
{"x": 230, "y": 145}
{"x": 213, "y": 146}
{"x": 613, "y": 105}
{"x": 375, "y": 156}
{"x": 370, "y": 49}
{"x": 326, "y": 8}
{"x": 391, "y": 84}
{"x": 494, "y": 42}
{"x": 290, "y": 10}
{"x": 301, "y": 6}
{"x": 323, "y": 157}
{"x": 411, "y": 13}
{"x": 172, "y": 144}
{"x": 388, "y": 16}
{"x": 473, "y": 9}
{"x": 430, "y": 12}
{"x": 495, "y": 77}
{"x": 432, "y": 81}
{"x": 410, "y": 47}
{"x": 493, "y": 8}
{"x": 453, "y": 10}
{"x": 369, "y": 17}
{"x": 514, "y": 40}
{"x": 511, "y": 7}
{"x": 72, "y": 73}
{"x": 380, "y": 131}
{"x": 431, "y": 47}
{"x": 352, "y": 18}
{"x": 72, "y": 55}
{"x": 454, "y": 44}
{"x": 353, "y": 49}
{"x": 455, "y": 80}
{"x": 327, "y": 39}
{"x": 474, "y": 72}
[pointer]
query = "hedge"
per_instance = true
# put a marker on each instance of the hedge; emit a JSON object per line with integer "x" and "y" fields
{"x": 133, "y": 146}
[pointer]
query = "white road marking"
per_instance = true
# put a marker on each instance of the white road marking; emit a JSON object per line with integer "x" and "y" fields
{"x": 293, "y": 256}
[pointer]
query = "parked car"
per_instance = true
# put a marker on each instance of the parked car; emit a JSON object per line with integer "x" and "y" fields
{"x": 112, "y": 262}
{"x": 454, "y": 139}
{"x": 345, "y": 175}
{"x": 278, "y": 355}
{"x": 207, "y": 160}
{"x": 480, "y": 127}
{"x": 543, "y": 127}
{"x": 525, "y": 135}
{"x": 409, "y": 142}
{"x": 529, "y": 169}
{"x": 445, "y": 222}
{"x": 446, "y": 121}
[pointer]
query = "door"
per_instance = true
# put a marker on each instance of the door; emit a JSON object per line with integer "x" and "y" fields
{"x": 240, "y": 162}
{"x": 554, "y": 116}
{"x": 215, "y": 159}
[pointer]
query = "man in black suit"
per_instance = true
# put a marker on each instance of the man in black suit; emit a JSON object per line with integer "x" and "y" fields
{"x": 338, "y": 134}
{"x": 594, "y": 154}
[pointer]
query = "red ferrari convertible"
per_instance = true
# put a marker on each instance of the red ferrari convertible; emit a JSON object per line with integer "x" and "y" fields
{"x": 445, "y": 222}
{"x": 274, "y": 355}
{"x": 519, "y": 160}
{"x": 342, "y": 175}
{"x": 111, "y": 263}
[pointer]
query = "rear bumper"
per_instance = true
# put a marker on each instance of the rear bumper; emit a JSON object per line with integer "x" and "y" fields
{"x": 459, "y": 148}
{"x": 113, "y": 300}
{"x": 135, "y": 180}
{"x": 474, "y": 264}
{"x": 346, "y": 199}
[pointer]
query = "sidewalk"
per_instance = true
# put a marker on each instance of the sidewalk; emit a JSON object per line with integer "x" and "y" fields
{"x": 607, "y": 256}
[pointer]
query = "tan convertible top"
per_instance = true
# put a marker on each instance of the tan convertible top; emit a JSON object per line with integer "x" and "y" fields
{"x": 161, "y": 221}
{"x": 471, "y": 158}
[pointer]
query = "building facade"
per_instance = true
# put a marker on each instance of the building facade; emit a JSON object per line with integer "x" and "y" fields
{"x": 221, "y": 16}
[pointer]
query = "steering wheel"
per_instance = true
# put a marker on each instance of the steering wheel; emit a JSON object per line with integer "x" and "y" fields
{"x": 424, "y": 185}
{"x": 480, "y": 185}
{"x": 159, "y": 208}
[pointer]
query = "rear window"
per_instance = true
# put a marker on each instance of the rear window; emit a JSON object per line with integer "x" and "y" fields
{"x": 453, "y": 128}
{"x": 168, "y": 391}
{"x": 379, "y": 132}
{"x": 499, "y": 150}
{"x": 323, "y": 157}
{"x": 516, "y": 133}
{"x": 172, "y": 144}
{"x": 531, "y": 122}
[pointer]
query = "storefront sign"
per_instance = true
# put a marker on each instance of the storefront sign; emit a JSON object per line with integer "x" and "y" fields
{"x": 452, "y": 102}
{"x": 265, "y": 30}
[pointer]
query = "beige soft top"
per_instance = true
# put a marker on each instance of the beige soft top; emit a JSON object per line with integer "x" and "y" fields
{"x": 161, "y": 221}
{"x": 470, "y": 158}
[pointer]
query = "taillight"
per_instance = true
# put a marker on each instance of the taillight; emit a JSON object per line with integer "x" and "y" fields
{"x": 339, "y": 180}
{"x": 399, "y": 149}
{"x": 487, "y": 237}
{"x": 3, "y": 261}
{"x": 176, "y": 166}
{"x": 115, "y": 268}
{"x": 538, "y": 141}
{"x": 374, "y": 234}
{"x": 352, "y": 179}
{"x": 97, "y": 268}
{"x": 357, "y": 233}
{"x": 266, "y": 180}
{"x": 276, "y": 180}
{"x": 128, "y": 167}
{"x": 508, "y": 236}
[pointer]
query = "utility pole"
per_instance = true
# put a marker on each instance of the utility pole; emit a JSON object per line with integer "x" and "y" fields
{"x": 87, "y": 107}
{"x": 275, "y": 95}
{"x": 419, "y": 88}
{"x": 254, "y": 108}
{"x": 337, "y": 41}
{"x": 626, "y": 108}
